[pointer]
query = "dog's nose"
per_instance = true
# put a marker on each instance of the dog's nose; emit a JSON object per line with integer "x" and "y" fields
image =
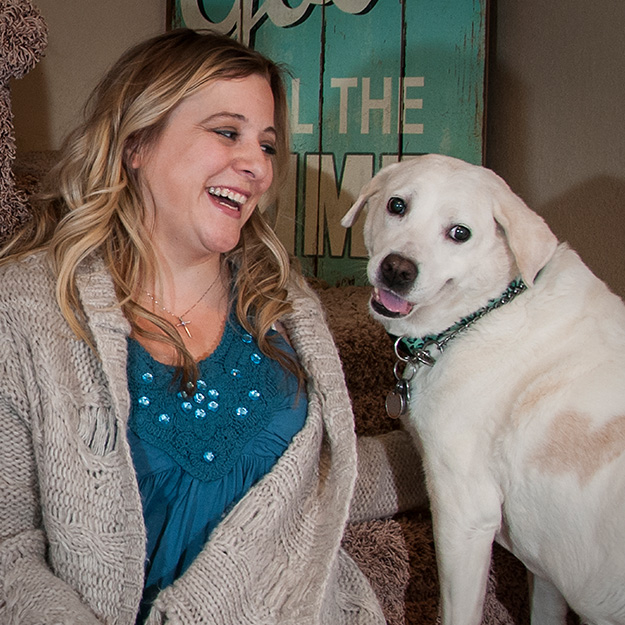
{"x": 398, "y": 272}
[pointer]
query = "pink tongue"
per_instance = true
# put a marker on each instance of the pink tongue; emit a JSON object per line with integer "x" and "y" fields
{"x": 392, "y": 302}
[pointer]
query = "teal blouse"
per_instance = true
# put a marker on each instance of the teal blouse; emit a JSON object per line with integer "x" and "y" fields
{"x": 197, "y": 453}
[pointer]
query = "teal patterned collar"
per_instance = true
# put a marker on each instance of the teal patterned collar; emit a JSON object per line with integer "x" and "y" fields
{"x": 417, "y": 350}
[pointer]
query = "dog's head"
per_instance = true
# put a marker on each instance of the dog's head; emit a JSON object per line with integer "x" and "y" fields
{"x": 444, "y": 237}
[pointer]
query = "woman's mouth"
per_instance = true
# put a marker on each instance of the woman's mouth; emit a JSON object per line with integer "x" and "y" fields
{"x": 227, "y": 197}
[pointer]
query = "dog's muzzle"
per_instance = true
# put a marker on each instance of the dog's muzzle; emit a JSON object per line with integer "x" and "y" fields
{"x": 396, "y": 275}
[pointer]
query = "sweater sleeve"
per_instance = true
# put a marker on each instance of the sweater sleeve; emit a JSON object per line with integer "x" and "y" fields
{"x": 390, "y": 477}
{"x": 30, "y": 593}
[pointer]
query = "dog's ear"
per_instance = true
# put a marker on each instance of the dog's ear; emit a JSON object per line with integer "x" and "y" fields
{"x": 352, "y": 214}
{"x": 367, "y": 191}
{"x": 529, "y": 237}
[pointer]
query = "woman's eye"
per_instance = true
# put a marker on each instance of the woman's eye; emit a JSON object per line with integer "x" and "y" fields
{"x": 269, "y": 149}
{"x": 396, "y": 206}
{"x": 228, "y": 134}
{"x": 459, "y": 234}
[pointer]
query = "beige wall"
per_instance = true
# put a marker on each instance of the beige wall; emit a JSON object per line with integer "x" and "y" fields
{"x": 85, "y": 38}
{"x": 555, "y": 121}
{"x": 555, "y": 124}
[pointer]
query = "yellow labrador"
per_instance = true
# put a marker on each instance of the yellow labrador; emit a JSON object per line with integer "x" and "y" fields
{"x": 511, "y": 378}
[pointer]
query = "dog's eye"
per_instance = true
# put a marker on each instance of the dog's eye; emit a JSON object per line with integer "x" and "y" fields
{"x": 396, "y": 206}
{"x": 460, "y": 234}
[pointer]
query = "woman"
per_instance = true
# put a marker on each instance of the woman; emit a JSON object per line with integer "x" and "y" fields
{"x": 177, "y": 441}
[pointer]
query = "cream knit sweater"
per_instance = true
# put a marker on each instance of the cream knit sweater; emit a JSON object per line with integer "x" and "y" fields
{"x": 71, "y": 527}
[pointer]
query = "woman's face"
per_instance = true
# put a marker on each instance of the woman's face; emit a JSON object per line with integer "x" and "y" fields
{"x": 204, "y": 175}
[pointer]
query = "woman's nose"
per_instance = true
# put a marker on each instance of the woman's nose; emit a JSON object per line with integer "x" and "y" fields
{"x": 253, "y": 161}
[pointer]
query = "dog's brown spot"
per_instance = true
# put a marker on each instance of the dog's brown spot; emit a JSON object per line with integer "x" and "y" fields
{"x": 574, "y": 445}
{"x": 531, "y": 398}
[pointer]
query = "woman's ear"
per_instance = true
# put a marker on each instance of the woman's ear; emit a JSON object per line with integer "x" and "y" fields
{"x": 134, "y": 157}
{"x": 134, "y": 152}
{"x": 135, "y": 160}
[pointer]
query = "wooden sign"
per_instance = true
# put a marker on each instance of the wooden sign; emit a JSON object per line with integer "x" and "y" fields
{"x": 373, "y": 81}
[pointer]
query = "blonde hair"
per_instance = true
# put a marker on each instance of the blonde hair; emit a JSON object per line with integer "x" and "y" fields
{"x": 97, "y": 204}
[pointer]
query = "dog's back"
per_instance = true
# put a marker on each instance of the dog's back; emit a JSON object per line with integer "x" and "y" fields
{"x": 565, "y": 441}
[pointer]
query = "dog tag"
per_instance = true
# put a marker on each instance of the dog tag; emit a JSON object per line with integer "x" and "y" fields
{"x": 397, "y": 400}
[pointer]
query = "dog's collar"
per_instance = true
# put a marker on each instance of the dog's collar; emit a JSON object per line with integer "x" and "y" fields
{"x": 419, "y": 350}
{"x": 413, "y": 352}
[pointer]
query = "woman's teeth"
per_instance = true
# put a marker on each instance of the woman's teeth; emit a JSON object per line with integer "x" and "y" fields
{"x": 229, "y": 197}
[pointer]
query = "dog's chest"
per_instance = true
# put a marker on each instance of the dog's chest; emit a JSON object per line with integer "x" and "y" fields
{"x": 461, "y": 401}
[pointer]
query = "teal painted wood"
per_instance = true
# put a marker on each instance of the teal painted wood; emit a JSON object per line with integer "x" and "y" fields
{"x": 446, "y": 45}
{"x": 373, "y": 81}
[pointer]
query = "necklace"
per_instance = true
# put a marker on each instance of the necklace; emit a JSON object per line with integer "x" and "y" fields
{"x": 182, "y": 323}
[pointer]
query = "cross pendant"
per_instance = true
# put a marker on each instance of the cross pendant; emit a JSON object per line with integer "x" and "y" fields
{"x": 184, "y": 325}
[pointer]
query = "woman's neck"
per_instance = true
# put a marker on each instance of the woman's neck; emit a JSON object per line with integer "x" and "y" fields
{"x": 194, "y": 300}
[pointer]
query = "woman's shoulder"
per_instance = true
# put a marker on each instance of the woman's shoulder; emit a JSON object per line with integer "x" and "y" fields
{"x": 306, "y": 325}
{"x": 301, "y": 294}
{"x": 27, "y": 291}
{"x": 25, "y": 272}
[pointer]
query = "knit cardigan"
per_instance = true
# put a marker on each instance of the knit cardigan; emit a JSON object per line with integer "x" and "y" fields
{"x": 72, "y": 536}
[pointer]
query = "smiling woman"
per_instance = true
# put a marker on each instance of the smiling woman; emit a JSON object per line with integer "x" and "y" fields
{"x": 172, "y": 399}
{"x": 205, "y": 174}
{"x": 201, "y": 181}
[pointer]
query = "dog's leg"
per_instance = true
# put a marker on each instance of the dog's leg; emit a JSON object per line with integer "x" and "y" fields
{"x": 547, "y": 604}
{"x": 465, "y": 522}
{"x": 464, "y": 573}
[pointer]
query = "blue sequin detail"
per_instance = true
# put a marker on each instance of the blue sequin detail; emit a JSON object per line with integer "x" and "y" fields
{"x": 164, "y": 418}
{"x": 209, "y": 456}
{"x": 144, "y": 401}
{"x": 147, "y": 377}
{"x": 215, "y": 415}
{"x": 247, "y": 338}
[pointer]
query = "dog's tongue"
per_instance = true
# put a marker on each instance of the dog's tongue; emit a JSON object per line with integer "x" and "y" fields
{"x": 392, "y": 302}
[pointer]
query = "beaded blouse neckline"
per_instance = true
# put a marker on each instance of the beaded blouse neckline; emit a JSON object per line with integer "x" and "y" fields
{"x": 205, "y": 429}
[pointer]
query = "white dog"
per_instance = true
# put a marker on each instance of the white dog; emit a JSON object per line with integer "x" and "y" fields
{"x": 513, "y": 383}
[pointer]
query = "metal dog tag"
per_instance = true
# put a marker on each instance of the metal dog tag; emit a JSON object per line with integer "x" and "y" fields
{"x": 397, "y": 400}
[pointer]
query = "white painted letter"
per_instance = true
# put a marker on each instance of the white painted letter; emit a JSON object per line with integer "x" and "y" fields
{"x": 368, "y": 104}
{"x": 343, "y": 84}
{"x": 412, "y": 103}
{"x": 327, "y": 202}
{"x": 296, "y": 127}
